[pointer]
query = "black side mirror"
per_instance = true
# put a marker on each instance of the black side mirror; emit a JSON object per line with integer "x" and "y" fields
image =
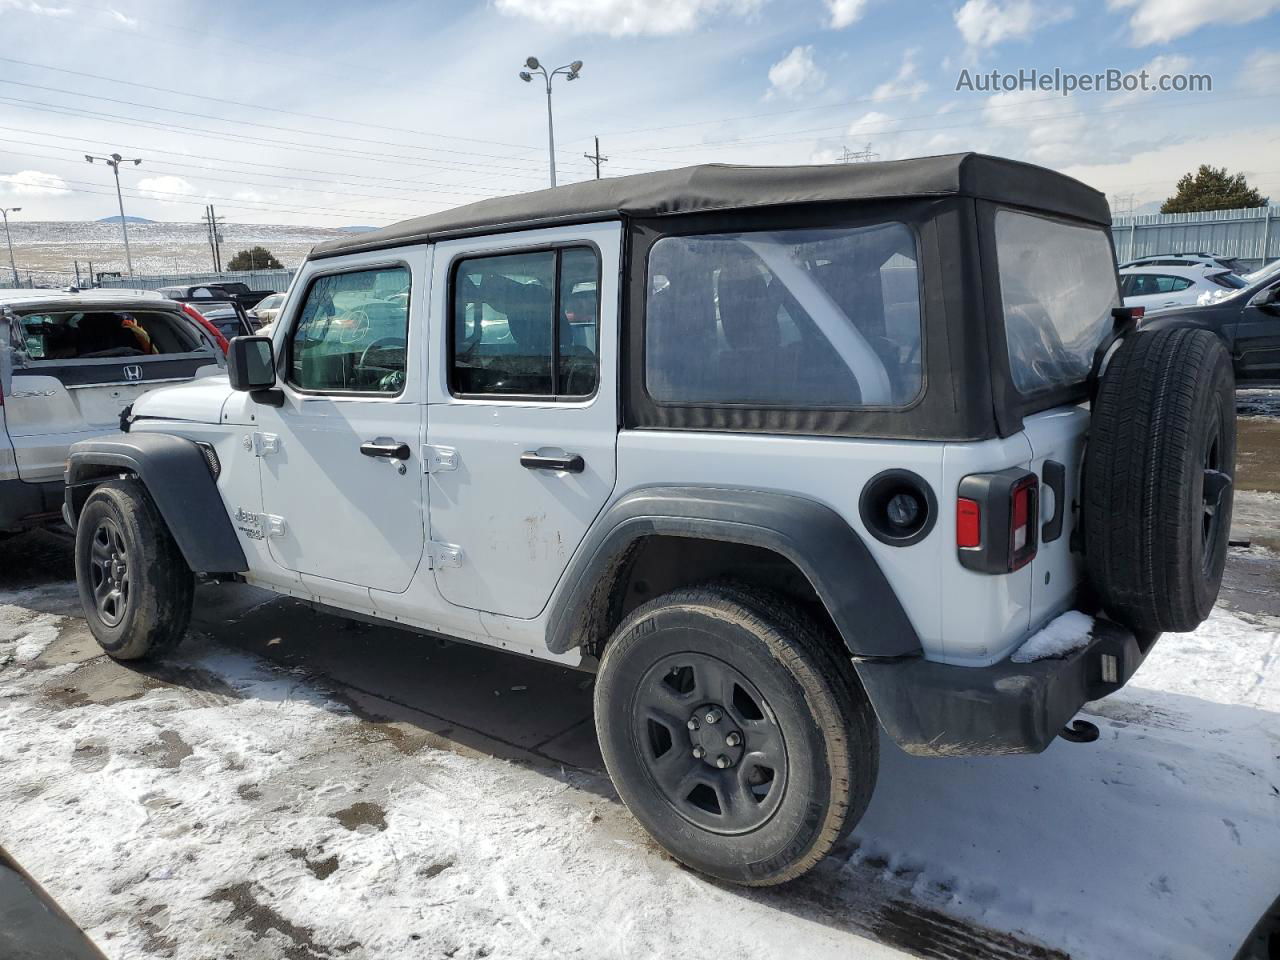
{"x": 251, "y": 363}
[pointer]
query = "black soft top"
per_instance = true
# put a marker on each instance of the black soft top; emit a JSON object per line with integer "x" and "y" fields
{"x": 715, "y": 186}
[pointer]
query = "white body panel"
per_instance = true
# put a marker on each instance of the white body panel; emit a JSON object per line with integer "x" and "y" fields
{"x": 518, "y": 527}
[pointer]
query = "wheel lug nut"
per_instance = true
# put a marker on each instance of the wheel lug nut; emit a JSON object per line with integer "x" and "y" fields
{"x": 699, "y": 753}
{"x": 733, "y": 739}
{"x": 714, "y": 715}
{"x": 693, "y": 723}
{"x": 722, "y": 761}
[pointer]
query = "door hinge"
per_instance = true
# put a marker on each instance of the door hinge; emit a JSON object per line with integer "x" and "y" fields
{"x": 258, "y": 526}
{"x": 262, "y": 443}
{"x": 444, "y": 554}
{"x": 438, "y": 459}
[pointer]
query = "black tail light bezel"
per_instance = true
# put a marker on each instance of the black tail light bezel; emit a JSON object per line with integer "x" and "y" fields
{"x": 994, "y": 494}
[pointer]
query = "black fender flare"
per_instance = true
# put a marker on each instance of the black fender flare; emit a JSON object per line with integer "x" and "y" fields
{"x": 820, "y": 542}
{"x": 177, "y": 476}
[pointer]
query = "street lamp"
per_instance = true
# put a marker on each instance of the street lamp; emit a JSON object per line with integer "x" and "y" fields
{"x": 114, "y": 162}
{"x": 570, "y": 71}
{"x": 12, "y": 266}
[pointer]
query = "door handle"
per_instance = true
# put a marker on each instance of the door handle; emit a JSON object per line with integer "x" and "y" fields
{"x": 570, "y": 462}
{"x": 1055, "y": 478}
{"x": 388, "y": 449}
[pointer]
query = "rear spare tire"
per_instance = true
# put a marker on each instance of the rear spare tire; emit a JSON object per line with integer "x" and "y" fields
{"x": 1158, "y": 479}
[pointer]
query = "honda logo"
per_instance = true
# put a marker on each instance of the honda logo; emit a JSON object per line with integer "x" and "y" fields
{"x": 133, "y": 372}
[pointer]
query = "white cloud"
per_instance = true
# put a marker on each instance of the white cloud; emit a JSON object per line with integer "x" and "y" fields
{"x": 1052, "y": 129}
{"x": 33, "y": 183}
{"x": 986, "y": 23}
{"x": 1261, "y": 71}
{"x": 1165, "y": 63}
{"x": 122, "y": 18}
{"x": 845, "y": 12}
{"x": 906, "y": 84}
{"x": 624, "y": 17}
{"x": 167, "y": 188}
{"x": 30, "y": 6}
{"x": 795, "y": 75}
{"x": 1159, "y": 21}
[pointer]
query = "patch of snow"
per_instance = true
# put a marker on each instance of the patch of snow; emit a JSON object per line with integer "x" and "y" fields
{"x": 1060, "y": 637}
{"x": 25, "y": 636}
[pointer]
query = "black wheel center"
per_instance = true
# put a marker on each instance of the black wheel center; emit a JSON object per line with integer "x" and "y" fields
{"x": 713, "y": 738}
{"x": 709, "y": 742}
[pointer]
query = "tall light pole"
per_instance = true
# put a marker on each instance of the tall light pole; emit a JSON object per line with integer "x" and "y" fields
{"x": 12, "y": 266}
{"x": 570, "y": 71}
{"x": 114, "y": 162}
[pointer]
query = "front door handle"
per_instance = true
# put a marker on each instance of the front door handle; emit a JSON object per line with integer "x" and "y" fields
{"x": 569, "y": 463}
{"x": 385, "y": 448}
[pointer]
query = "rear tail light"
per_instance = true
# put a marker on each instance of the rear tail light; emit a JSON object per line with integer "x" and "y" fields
{"x": 968, "y": 523}
{"x": 997, "y": 520}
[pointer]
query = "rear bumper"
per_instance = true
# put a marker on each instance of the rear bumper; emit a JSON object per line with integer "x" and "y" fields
{"x": 24, "y": 505}
{"x": 938, "y": 710}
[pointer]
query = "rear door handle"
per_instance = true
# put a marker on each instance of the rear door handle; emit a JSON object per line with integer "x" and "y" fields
{"x": 385, "y": 448}
{"x": 1055, "y": 478}
{"x": 569, "y": 463}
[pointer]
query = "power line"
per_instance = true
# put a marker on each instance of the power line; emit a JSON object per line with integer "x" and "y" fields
{"x": 259, "y": 106}
{"x": 596, "y": 159}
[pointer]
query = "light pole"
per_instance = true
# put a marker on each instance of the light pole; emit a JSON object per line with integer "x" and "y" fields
{"x": 114, "y": 162}
{"x": 12, "y": 266}
{"x": 570, "y": 71}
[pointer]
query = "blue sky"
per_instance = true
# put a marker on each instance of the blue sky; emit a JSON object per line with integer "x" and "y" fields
{"x": 333, "y": 114}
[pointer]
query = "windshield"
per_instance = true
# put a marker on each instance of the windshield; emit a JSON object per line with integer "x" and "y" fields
{"x": 1058, "y": 287}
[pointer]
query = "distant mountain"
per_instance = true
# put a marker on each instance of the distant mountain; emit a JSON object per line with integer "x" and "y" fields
{"x": 357, "y": 229}
{"x": 116, "y": 219}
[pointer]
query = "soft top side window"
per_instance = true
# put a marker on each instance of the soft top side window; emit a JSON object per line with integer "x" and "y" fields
{"x": 792, "y": 318}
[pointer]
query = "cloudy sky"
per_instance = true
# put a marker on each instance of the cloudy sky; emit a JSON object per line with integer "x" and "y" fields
{"x": 344, "y": 113}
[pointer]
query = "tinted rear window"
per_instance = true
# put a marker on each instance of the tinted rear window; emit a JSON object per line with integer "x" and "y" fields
{"x": 93, "y": 334}
{"x": 1057, "y": 287}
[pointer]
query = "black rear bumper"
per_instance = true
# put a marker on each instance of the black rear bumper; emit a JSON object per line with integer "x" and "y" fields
{"x": 938, "y": 710}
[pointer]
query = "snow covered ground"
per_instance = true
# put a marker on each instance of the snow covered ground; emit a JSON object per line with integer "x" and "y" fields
{"x": 226, "y": 806}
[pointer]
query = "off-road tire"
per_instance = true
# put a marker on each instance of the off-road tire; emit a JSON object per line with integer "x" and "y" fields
{"x": 1165, "y": 408}
{"x": 153, "y": 615}
{"x": 816, "y": 702}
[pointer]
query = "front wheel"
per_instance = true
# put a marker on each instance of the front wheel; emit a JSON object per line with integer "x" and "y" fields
{"x": 736, "y": 733}
{"x": 135, "y": 586}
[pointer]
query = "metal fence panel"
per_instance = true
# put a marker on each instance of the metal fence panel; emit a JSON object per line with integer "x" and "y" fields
{"x": 1250, "y": 234}
{"x": 277, "y": 280}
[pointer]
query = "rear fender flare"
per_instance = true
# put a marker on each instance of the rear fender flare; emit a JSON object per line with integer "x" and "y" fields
{"x": 821, "y": 544}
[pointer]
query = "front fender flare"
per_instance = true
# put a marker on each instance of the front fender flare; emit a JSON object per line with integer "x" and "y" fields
{"x": 176, "y": 475}
{"x": 819, "y": 541}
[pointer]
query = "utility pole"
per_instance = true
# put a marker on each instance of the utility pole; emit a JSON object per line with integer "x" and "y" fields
{"x": 215, "y": 238}
{"x": 596, "y": 158}
{"x": 114, "y": 162}
{"x": 570, "y": 71}
{"x": 77, "y": 273}
{"x": 859, "y": 156}
{"x": 12, "y": 266}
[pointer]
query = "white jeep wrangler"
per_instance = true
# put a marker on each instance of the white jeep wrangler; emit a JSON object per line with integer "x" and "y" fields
{"x": 786, "y": 455}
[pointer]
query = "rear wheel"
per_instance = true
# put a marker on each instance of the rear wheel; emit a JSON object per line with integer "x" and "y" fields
{"x": 135, "y": 586}
{"x": 735, "y": 732}
{"x": 1158, "y": 479}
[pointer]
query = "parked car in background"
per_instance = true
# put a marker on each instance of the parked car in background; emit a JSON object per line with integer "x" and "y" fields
{"x": 1187, "y": 260}
{"x": 267, "y": 309}
{"x": 69, "y": 364}
{"x": 1248, "y": 322}
{"x": 1154, "y": 287}
{"x": 219, "y": 290}
{"x": 228, "y": 316}
{"x": 1271, "y": 269}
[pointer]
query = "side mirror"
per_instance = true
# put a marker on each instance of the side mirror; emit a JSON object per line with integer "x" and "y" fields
{"x": 251, "y": 363}
{"x": 1268, "y": 300}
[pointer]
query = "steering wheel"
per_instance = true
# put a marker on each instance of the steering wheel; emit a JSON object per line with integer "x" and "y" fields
{"x": 359, "y": 326}
{"x": 378, "y": 344}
